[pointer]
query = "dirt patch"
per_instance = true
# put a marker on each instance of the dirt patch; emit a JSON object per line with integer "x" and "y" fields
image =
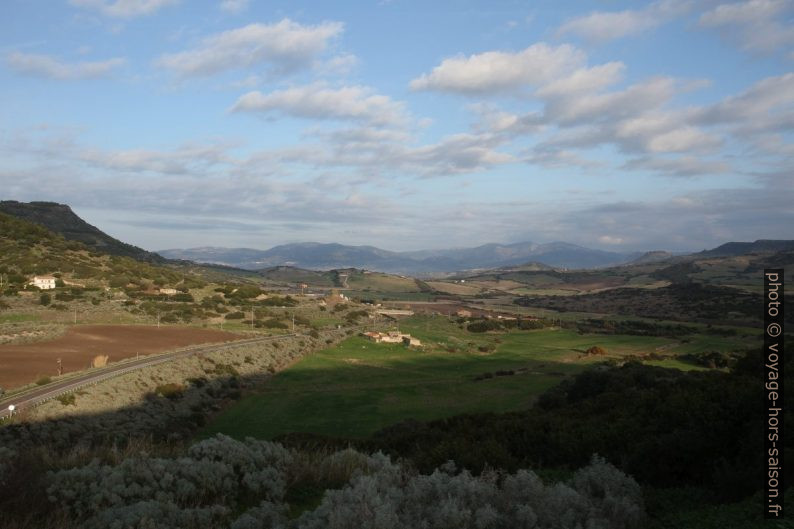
{"x": 21, "y": 364}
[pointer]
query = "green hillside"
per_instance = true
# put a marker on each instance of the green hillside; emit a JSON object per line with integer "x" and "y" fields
{"x": 27, "y": 249}
{"x": 60, "y": 219}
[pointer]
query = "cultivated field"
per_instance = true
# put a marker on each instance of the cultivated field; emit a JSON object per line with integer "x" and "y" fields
{"x": 21, "y": 364}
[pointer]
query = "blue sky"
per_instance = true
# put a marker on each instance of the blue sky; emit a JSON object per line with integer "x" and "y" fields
{"x": 404, "y": 125}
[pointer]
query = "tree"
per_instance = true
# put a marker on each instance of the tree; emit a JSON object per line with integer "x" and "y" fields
{"x": 596, "y": 350}
{"x": 45, "y": 299}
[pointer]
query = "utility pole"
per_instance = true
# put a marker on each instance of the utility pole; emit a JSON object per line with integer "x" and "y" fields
{"x": 158, "y": 319}
{"x": 75, "y": 315}
{"x": 60, "y": 367}
{"x": 293, "y": 322}
{"x": 252, "y": 317}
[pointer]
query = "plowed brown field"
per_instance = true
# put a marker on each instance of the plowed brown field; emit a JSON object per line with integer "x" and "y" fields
{"x": 24, "y": 363}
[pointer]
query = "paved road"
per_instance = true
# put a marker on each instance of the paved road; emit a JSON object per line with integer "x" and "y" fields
{"x": 38, "y": 395}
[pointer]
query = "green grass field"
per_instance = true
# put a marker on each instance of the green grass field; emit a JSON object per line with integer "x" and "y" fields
{"x": 360, "y": 387}
{"x": 16, "y": 318}
{"x": 382, "y": 283}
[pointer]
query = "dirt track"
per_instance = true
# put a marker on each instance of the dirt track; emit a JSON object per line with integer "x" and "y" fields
{"x": 24, "y": 363}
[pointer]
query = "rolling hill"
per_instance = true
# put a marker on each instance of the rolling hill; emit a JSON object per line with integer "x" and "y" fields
{"x": 745, "y": 248}
{"x": 27, "y": 248}
{"x": 319, "y": 256}
{"x": 60, "y": 219}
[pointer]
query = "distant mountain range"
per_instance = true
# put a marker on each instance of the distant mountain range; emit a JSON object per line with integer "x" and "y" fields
{"x": 60, "y": 219}
{"x": 319, "y": 256}
{"x": 742, "y": 248}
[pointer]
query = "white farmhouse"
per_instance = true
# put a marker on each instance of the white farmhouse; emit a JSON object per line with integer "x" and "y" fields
{"x": 393, "y": 337}
{"x": 43, "y": 282}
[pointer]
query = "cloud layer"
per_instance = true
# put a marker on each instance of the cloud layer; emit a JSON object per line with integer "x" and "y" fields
{"x": 329, "y": 129}
{"x": 124, "y": 8}
{"x": 284, "y": 45}
{"x": 45, "y": 66}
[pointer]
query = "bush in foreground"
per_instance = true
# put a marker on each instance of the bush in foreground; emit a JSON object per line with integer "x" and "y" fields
{"x": 221, "y": 482}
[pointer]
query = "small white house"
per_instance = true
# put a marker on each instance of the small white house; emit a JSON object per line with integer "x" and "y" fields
{"x": 168, "y": 291}
{"x": 43, "y": 282}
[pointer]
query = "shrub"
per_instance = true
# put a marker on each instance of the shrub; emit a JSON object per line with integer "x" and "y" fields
{"x": 170, "y": 391}
{"x": 527, "y": 325}
{"x": 225, "y": 369}
{"x": 221, "y": 476}
{"x": 483, "y": 326}
{"x": 596, "y": 350}
{"x": 272, "y": 323}
{"x": 355, "y": 315}
{"x": 118, "y": 281}
{"x": 66, "y": 400}
{"x": 45, "y": 299}
{"x": 169, "y": 317}
{"x": 390, "y": 496}
{"x": 43, "y": 381}
{"x": 198, "y": 382}
{"x": 238, "y": 315}
{"x": 183, "y": 298}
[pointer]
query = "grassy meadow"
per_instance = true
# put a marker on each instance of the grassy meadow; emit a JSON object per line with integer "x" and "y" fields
{"x": 359, "y": 387}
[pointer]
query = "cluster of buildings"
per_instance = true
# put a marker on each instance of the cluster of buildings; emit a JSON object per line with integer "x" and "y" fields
{"x": 393, "y": 337}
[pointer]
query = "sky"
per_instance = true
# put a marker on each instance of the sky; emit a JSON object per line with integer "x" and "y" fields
{"x": 406, "y": 125}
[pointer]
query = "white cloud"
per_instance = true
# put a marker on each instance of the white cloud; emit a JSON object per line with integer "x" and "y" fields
{"x": 124, "y": 8}
{"x": 458, "y": 153}
{"x": 375, "y": 153}
{"x": 561, "y": 158}
{"x": 498, "y": 71}
{"x": 684, "y": 166}
{"x": 603, "y": 26}
{"x": 758, "y": 25}
{"x": 46, "y": 66}
{"x": 492, "y": 119}
{"x": 234, "y": 6}
{"x": 318, "y": 101}
{"x": 584, "y": 80}
{"x": 760, "y": 105}
{"x": 337, "y": 65}
{"x": 285, "y": 45}
{"x": 611, "y": 240}
{"x": 682, "y": 139}
{"x": 185, "y": 160}
{"x": 587, "y": 107}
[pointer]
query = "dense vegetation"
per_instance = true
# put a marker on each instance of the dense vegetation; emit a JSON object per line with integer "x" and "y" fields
{"x": 221, "y": 482}
{"x": 680, "y": 434}
{"x": 27, "y": 249}
{"x": 690, "y": 302}
{"x": 60, "y": 219}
